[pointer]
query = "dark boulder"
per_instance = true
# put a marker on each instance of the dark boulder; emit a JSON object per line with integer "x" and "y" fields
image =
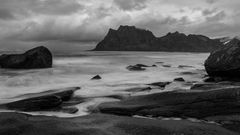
{"x": 225, "y": 62}
{"x": 39, "y": 57}
{"x": 97, "y": 77}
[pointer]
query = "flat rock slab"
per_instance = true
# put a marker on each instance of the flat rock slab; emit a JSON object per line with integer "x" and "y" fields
{"x": 214, "y": 86}
{"x": 46, "y": 100}
{"x": 101, "y": 124}
{"x": 178, "y": 104}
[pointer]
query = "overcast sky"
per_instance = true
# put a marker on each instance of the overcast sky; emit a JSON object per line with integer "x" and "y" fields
{"x": 72, "y": 24}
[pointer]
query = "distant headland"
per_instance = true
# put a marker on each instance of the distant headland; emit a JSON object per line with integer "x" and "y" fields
{"x": 130, "y": 38}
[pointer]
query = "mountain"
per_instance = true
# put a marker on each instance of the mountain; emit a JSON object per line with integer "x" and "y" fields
{"x": 130, "y": 38}
{"x": 224, "y": 40}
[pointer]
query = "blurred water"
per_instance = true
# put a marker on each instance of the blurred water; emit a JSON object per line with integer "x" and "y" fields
{"x": 70, "y": 71}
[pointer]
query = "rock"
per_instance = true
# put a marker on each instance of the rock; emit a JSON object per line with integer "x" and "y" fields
{"x": 35, "y": 104}
{"x": 188, "y": 73}
{"x": 214, "y": 86}
{"x": 102, "y": 124}
{"x": 167, "y": 66}
{"x": 70, "y": 110}
{"x": 160, "y": 84}
{"x": 130, "y": 38}
{"x": 141, "y": 65}
{"x": 181, "y": 104}
{"x": 40, "y": 101}
{"x": 140, "y": 89}
{"x": 135, "y": 68}
{"x": 39, "y": 57}
{"x": 74, "y": 101}
{"x": 185, "y": 66}
{"x": 213, "y": 79}
{"x": 225, "y": 62}
{"x": 231, "y": 122}
{"x": 97, "y": 77}
{"x": 179, "y": 79}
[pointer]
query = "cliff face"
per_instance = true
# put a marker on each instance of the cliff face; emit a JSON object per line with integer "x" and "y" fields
{"x": 130, "y": 38}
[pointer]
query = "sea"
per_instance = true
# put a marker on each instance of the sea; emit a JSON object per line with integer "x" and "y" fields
{"x": 76, "y": 70}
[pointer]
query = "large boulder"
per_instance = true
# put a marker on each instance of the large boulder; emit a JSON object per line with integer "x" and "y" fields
{"x": 130, "y": 38}
{"x": 225, "y": 62}
{"x": 39, "y": 57}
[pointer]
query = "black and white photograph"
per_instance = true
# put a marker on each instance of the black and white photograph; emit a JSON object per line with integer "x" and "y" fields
{"x": 119, "y": 67}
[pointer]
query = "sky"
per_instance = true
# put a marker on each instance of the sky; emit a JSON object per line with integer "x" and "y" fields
{"x": 72, "y": 25}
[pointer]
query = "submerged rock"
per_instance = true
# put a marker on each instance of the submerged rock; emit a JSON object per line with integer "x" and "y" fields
{"x": 225, "y": 62}
{"x": 39, "y": 57}
{"x": 102, "y": 124}
{"x": 97, "y": 77}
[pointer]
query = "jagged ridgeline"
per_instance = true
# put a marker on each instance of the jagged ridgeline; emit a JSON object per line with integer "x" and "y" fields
{"x": 130, "y": 38}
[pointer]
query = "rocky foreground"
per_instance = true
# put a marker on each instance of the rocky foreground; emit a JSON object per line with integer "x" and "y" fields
{"x": 130, "y": 38}
{"x": 102, "y": 124}
{"x": 210, "y": 107}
